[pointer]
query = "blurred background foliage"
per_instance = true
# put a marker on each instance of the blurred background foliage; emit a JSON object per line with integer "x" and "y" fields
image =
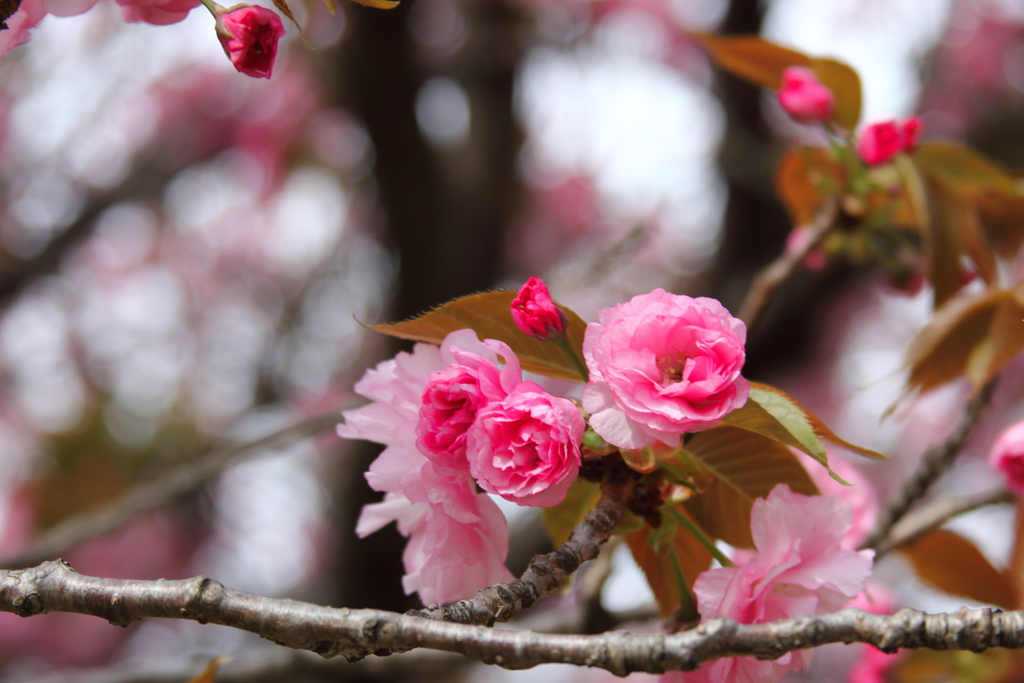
{"x": 187, "y": 255}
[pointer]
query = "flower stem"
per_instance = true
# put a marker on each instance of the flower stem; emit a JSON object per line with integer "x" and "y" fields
{"x": 702, "y": 537}
{"x": 686, "y": 602}
{"x": 570, "y": 353}
{"x": 215, "y": 9}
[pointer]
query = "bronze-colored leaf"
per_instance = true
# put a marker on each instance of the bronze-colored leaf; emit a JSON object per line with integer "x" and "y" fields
{"x": 581, "y": 498}
{"x": 952, "y": 564}
{"x": 378, "y": 4}
{"x": 965, "y": 168}
{"x": 743, "y": 466}
{"x": 942, "y": 350}
{"x": 752, "y": 57}
{"x": 806, "y": 177}
{"x": 287, "y": 11}
{"x": 331, "y": 6}
{"x": 209, "y": 674}
{"x": 844, "y": 83}
{"x": 1004, "y": 341}
{"x": 488, "y": 315}
{"x": 694, "y": 559}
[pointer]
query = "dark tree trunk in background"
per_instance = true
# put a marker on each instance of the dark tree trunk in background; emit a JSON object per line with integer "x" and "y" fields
{"x": 755, "y": 224}
{"x": 445, "y": 211}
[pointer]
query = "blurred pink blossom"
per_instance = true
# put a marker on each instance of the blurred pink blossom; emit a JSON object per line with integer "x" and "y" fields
{"x": 159, "y": 12}
{"x": 1007, "y": 456}
{"x": 526, "y": 448}
{"x": 31, "y": 12}
{"x": 804, "y": 97}
{"x": 660, "y": 365}
{"x": 249, "y": 35}
{"x": 815, "y": 260}
{"x": 800, "y": 568}
{"x": 535, "y": 312}
{"x": 880, "y": 142}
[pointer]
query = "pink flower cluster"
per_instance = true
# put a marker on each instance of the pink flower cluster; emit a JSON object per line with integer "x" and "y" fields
{"x": 800, "y": 568}
{"x": 453, "y": 418}
{"x": 804, "y": 97}
{"x": 880, "y": 142}
{"x": 660, "y": 365}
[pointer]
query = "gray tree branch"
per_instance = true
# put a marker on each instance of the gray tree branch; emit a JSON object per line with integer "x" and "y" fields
{"x": 934, "y": 463}
{"x": 354, "y": 634}
{"x": 148, "y": 496}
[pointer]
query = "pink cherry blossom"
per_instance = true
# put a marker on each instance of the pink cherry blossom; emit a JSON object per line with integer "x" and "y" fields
{"x": 453, "y": 397}
{"x": 911, "y": 132}
{"x": 159, "y": 12}
{"x": 249, "y": 35}
{"x": 862, "y": 497}
{"x": 458, "y": 539}
{"x": 800, "y": 569}
{"x": 804, "y": 97}
{"x": 31, "y": 12}
{"x": 526, "y": 448}
{"x": 660, "y": 365}
{"x": 535, "y": 312}
{"x": 1007, "y": 456}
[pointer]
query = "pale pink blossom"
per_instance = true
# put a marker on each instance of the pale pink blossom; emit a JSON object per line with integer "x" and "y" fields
{"x": 31, "y": 12}
{"x": 455, "y": 394}
{"x": 1007, "y": 456}
{"x": 535, "y": 312}
{"x": 159, "y": 12}
{"x": 660, "y": 365}
{"x": 861, "y": 496}
{"x": 458, "y": 539}
{"x": 800, "y": 569}
{"x": 804, "y": 97}
{"x": 526, "y": 448}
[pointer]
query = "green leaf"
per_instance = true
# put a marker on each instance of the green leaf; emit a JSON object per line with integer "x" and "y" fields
{"x": 741, "y": 466}
{"x": 488, "y": 315}
{"x": 694, "y": 559}
{"x": 581, "y": 498}
{"x": 954, "y": 565}
{"x": 641, "y": 459}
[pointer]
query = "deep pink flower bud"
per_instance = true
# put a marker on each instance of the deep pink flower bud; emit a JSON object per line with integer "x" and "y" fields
{"x": 804, "y": 97}
{"x": 535, "y": 313}
{"x": 249, "y": 34}
{"x": 1008, "y": 456}
{"x": 911, "y": 132}
{"x": 880, "y": 142}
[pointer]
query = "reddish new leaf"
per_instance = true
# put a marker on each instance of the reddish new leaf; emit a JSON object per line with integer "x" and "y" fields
{"x": 942, "y": 351}
{"x": 694, "y": 559}
{"x": 806, "y": 177}
{"x": 954, "y": 565}
{"x": 762, "y": 62}
{"x": 742, "y": 466}
{"x": 488, "y": 315}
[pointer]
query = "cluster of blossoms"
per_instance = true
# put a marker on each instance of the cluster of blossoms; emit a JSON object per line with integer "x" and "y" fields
{"x": 248, "y": 33}
{"x": 460, "y": 416}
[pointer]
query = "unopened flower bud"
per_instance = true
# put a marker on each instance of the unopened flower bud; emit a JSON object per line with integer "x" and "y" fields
{"x": 535, "y": 313}
{"x": 249, "y": 35}
{"x": 804, "y": 97}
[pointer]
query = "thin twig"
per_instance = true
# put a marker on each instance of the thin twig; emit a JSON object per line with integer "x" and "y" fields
{"x": 774, "y": 275}
{"x": 353, "y": 634}
{"x": 934, "y": 463}
{"x": 186, "y": 477}
{"x": 938, "y": 512}
{"x": 546, "y": 574}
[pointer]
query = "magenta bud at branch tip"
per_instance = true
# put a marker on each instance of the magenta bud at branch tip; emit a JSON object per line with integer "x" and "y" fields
{"x": 249, "y": 35}
{"x": 804, "y": 97}
{"x": 535, "y": 312}
{"x": 880, "y": 142}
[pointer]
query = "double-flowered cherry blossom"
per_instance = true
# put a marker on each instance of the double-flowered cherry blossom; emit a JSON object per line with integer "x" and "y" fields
{"x": 662, "y": 364}
{"x": 800, "y": 568}
{"x": 454, "y": 417}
